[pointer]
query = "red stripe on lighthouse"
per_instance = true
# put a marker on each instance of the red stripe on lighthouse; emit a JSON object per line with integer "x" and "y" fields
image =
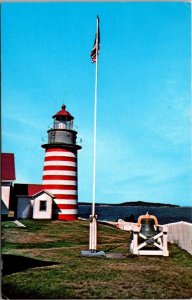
{"x": 67, "y": 217}
{"x": 60, "y": 168}
{"x": 60, "y": 158}
{"x": 59, "y": 187}
{"x": 67, "y": 206}
{"x": 67, "y": 197}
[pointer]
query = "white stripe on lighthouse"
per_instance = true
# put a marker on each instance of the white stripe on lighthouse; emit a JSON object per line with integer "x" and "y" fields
{"x": 60, "y": 192}
{"x": 59, "y": 172}
{"x": 59, "y": 163}
{"x": 68, "y": 212}
{"x": 63, "y": 201}
{"x": 57, "y": 182}
{"x": 59, "y": 153}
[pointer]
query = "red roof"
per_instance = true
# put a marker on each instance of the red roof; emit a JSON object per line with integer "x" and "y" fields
{"x": 25, "y": 189}
{"x": 63, "y": 113}
{"x": 7, "y": 166}
{"x": 34, "y": 189}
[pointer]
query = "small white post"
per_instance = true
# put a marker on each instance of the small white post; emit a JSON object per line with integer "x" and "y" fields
{"x": 135, "y": 230}
{"x": 93, "y": 234}
{"x": 165, "y": 249}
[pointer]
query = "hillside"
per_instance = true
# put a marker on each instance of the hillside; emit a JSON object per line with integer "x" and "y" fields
{"x": 132, "y": 203}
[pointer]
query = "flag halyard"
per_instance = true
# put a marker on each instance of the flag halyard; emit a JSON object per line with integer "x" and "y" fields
{"x": 96, "y": 46}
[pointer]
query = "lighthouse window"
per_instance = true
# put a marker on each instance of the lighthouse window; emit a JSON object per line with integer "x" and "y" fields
{"x": 43, "y": 206}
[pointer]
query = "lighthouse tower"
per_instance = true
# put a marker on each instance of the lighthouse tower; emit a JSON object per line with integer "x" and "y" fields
{"x": 60, "y": 166}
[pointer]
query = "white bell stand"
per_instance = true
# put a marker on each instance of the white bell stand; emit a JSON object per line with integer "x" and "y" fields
{"x": 159, "y": 242}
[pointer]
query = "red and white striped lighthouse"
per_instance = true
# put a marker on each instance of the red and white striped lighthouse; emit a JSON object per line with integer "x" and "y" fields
{"x": 60, "y": 166}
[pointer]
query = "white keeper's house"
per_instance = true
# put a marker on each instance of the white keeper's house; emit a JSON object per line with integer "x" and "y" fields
{"x": 32, "y": 202}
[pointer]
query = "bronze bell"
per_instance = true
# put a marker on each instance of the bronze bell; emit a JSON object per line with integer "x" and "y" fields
{"x": 147, "y": 228}
{"x": 147, "y": 223}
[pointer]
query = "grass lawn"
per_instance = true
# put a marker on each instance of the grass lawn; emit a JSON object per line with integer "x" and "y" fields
{"x": 43, "y": 261}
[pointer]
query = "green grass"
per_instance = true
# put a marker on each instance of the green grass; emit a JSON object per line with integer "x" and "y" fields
{"x": 67, "y": 275}
{"x": 8, "y": 246}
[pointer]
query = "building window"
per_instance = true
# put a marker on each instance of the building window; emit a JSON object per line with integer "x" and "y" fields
{"x": 43, "y": 206}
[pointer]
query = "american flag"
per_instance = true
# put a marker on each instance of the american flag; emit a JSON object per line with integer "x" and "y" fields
{"x": 96, "y": 46}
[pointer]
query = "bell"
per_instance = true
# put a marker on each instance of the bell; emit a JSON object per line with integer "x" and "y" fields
{"x": 147, "y": 228}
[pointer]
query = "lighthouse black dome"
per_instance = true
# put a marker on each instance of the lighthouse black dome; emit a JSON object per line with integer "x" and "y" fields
{"x": 63, "y": 113}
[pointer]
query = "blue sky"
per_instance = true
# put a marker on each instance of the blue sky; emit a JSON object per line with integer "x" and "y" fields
{"x": 144, "y": 94}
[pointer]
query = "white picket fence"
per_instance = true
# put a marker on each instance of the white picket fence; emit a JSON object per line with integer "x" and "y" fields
{"x": 179, "y": 233}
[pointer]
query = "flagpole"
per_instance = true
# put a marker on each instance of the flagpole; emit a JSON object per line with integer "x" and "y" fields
{"x": 93, "y": 217}
{"x": 95, "y": 127}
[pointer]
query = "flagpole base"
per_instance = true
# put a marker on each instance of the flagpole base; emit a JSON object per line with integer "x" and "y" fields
{"x": 93, "y": 233}
{"x": 92, "y": 252}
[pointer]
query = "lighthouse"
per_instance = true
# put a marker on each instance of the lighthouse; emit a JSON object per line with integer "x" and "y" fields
{"x": 60, "y": 172}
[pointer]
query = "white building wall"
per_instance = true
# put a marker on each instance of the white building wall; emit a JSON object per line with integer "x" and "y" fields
{"x": 37, "y": 214}
{"x": 5, "y": 196}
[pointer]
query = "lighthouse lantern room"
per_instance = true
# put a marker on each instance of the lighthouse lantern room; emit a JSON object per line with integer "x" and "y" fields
{"x": 60, "y": 172}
